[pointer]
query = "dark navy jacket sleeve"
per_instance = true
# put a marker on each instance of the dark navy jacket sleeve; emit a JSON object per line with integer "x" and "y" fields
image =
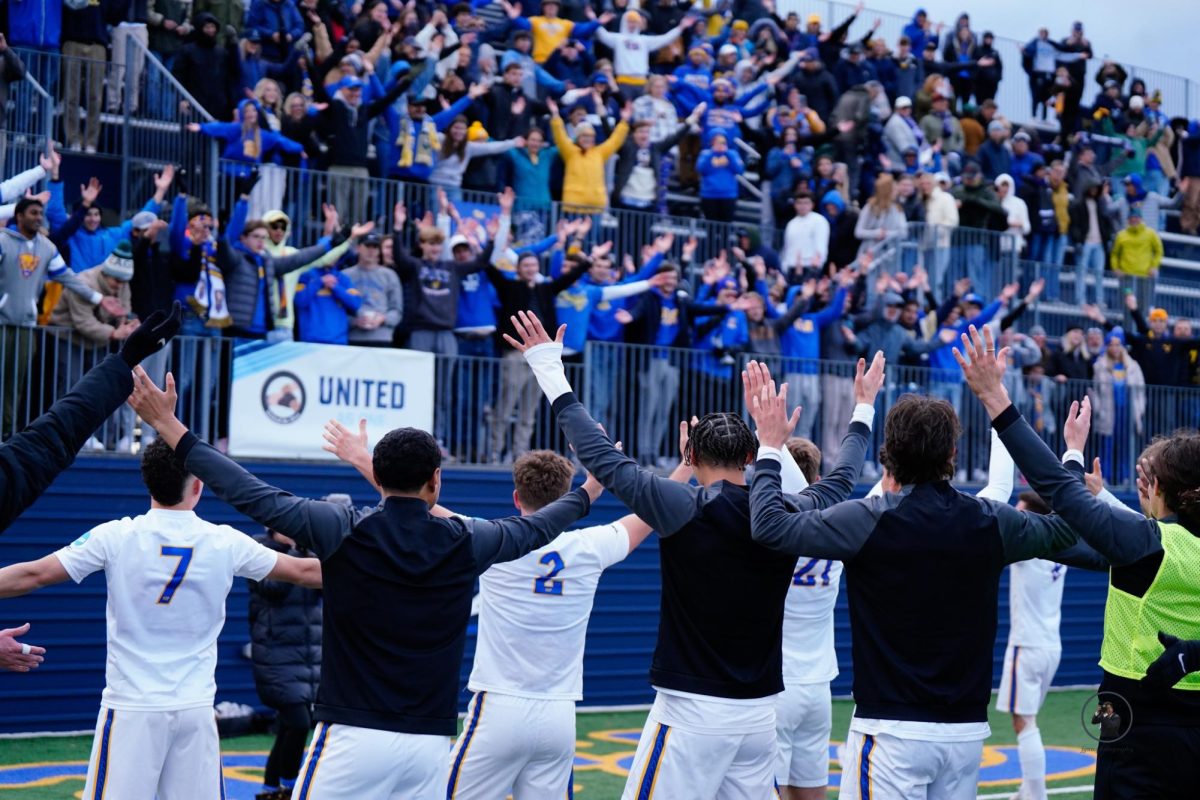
{"x": 33, "y": 458}
{"x": 665, "y": 505}
{"x": 506, "y": 539}
{"x": 840, "y": 482}
{"x": 1120, "y": 535}
{"x": 837, "y": 532}
{"x": 314, "y": 524}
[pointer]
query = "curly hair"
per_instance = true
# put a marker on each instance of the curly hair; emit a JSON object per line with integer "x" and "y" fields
{"x": 920, "y": 439}
{"x": 541, "y": 477}
{"x": 164, "y": 474}
{"x": 721, "y": 440}
{"x": 808, "y": 457}
{"x": 1176, "y": 467}
{"x": 405, "y": 459}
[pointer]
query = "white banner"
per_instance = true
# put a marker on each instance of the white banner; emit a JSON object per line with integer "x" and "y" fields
{"x": 284, "y": 393}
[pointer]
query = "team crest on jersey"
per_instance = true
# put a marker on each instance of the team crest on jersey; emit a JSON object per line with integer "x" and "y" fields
{"x": 28, "y": 262}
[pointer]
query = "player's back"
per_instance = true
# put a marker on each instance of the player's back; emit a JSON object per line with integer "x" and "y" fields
{"x": 722, "y": 603}
{"x": 168, "y": 575}
{"x": 808, "y": 645}
{"x": 534, "y": 613}
{"x": 1035, "y": 595}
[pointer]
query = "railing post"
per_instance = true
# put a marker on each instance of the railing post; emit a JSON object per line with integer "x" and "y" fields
{"x": 213, "y": 172}
{"x": 126, "y": 103}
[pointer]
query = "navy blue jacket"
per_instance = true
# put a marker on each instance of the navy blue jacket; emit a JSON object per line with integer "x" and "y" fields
{"x": 285, "y": 636}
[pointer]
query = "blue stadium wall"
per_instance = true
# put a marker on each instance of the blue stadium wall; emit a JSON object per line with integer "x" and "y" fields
{"x": 69, "y": 620}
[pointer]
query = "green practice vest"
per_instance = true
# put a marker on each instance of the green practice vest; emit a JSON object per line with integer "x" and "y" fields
{"x": 1171, "y": 604}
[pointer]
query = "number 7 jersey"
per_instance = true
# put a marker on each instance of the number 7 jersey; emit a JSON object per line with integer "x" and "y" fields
{"x": 808, "y": 653}
{"x": 168, "y": 574}
{"x": 533, "y": 615}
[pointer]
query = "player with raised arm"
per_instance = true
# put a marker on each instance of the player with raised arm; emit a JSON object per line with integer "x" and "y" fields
{"x": 921, "y": 698}
{"x": 1154, "y": 586}
{"x": 398, "y": 583}
{"x": 717, "y": 665}
{"x": 519, "y": 737}
{"x": 168, "y": 574}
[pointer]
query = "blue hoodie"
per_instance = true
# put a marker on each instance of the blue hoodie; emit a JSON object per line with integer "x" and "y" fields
{"x": 240, "y": 149}
{"x": 917, "y": 35}
{"x": 731, "y": 334}
{"x": 89, "y": 249}
{"x": 718, "y": 181}
{"x": 324, "y": 314}
{"x": 803, "y": 339}
{"x": 833, "y": 198}
{"x": 602, "y": 324}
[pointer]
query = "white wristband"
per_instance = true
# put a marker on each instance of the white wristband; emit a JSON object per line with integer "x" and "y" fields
{"x": 1074, "y": 455}
{"x": 772, "y": 453}
{"x": 864, "y": 413}
{"x": 546, "y": 362}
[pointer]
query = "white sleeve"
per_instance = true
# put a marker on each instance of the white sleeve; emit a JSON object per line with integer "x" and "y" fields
{"x": 250, "y": 559}
{"x": 876, "y": 490}
{"x": 1000, "y": 473}
{"x": 610, "y": 544}
{"x": 14, "y": 188}
{"x": 546, "y": 362}
{"x": 791, "y": 478}
{"x": 89, "y": 553}
{"x": 616, "y": 291}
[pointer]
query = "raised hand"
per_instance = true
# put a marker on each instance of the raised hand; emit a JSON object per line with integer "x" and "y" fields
{"x": 399, "y": 216}
{"x": 1094, "y": 480}
{"x": 506, "y": 200}
{"x": 755, "y": 377}
{"x": 162, "y": 181}
{"x": 89, "y": 193}
{"x": 1035, "y": 290}
{"x": 868, "y": 382}
{"x": 345, "y": 444}
{"x": 331, "y": 218}
{"x": 532, "y": 334}
{"x": 984, "y": 369}
{"x": 50, "y": 160}
{"x": 769, "y": 410}
{"x": 1078, "y": 424}
{"x": 685, "y": 435}
{"x": 1146, "y": 483}
{"x": 155, "y": 406}
{"x": 362, "y": 229}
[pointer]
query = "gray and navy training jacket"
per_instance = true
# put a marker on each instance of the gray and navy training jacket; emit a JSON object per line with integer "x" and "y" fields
{"x": 720, "y": 630}
{"x": 923, "y": 576}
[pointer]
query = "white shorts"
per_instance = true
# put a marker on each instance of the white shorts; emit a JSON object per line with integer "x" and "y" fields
{"x": 884, "y": 767}
{"x": 171, "y": 754}
{"x": 673, "y": 763}
{"x": 1027, "y": 674}
{"x": 513, "y": 745}
{"x": 803, "y": 723}
{"x": 349, "y": 763}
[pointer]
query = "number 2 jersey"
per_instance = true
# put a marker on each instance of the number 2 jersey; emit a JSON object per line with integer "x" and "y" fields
{"x": 534, "y": 611}
{"x": 168, "y": 575}
{"x": 808, "y": 654}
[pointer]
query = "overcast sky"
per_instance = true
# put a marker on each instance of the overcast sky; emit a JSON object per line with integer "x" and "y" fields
{"x": 1143, "y": 37}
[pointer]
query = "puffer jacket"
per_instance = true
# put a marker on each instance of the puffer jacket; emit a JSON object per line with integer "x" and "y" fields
{"x": 285, "y": 637}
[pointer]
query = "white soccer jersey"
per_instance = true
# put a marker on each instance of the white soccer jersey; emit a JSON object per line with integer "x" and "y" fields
{"x": 1035, "y": 590}
{"x": 533, "y": 615}
{"x": 168, "y": 575}
{"x": 808, "y": 654}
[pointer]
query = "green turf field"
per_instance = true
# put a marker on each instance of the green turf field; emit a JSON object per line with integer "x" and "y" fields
{"x": 604, "y": 741}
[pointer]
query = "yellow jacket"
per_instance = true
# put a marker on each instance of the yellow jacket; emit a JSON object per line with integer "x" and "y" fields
{"x": 583, "y": 172}
{"x": 548, "y": 33}
{"x": 1137, "y": 250}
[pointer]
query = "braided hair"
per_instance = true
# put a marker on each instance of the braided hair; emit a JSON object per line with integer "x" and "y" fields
{"x": 721, "y": 440}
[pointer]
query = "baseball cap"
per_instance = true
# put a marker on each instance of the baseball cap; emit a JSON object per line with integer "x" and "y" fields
{"x": 1037, "y": 330}
{"x": 740, "y": 25}
{"x": 1157, "y": 315}
{"x": 995, "y": 125}
{"x": 942, "y": 177}
{"x": 814, "y": 19}
{"x": 971, "y": 169}
{"x": 728, "y": 50}
{"x": 892, "y": 299}
{"x": 1137, "y": 103}
{"x": 974, "y": 299}
{"x": 903, "y": 102}
{"x": 143, "y": 220}
{"x": 458, "y": 239}
{"x": 1022, "y": 136}
{"x": 372, "y": 239}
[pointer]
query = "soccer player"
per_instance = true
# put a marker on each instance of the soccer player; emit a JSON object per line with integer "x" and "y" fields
{"x": 398, "y": 583}
{"x": 168, "y": 574}
{"x": 718, "y": 664}
{"x": 1154, "y": 586}
{"x": 32, "y": 459}
{"x": 921, "y": 551}
{"x": 1035, "y": 589}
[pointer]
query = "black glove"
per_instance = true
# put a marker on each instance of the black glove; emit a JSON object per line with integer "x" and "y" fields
{"x": 151, "y": 336}
{"x": 245, "y": 184}
{"x": 1179, "y": 659}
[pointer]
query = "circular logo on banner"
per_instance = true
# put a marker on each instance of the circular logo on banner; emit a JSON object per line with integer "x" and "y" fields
{"x": 283, "y": 397}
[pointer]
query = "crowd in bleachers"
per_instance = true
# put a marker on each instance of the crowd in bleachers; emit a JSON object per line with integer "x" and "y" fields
{"x": 592, "y": 111}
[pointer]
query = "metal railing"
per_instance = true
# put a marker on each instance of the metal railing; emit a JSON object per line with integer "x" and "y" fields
{"x": 26, "y": 124}
{"x": 489, "y": 410}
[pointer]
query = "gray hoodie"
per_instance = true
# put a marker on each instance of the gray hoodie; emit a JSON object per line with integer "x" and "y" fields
{"x": 25, "y": 266}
